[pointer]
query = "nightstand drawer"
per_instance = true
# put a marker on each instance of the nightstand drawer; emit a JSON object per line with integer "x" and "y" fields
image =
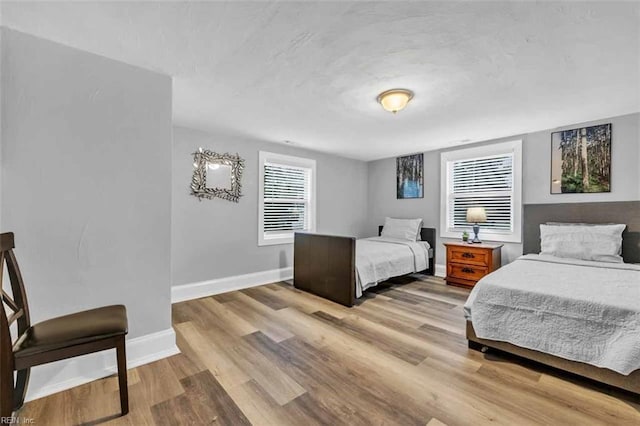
{"x": 470, "y": 255}
{"x": 466, "y": 272}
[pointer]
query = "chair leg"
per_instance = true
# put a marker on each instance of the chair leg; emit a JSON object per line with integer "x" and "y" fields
{"x": 22, "y": 381}
{"x": 6, "y": 393}
{"x": 6, "y": 380}
{"x": 122, "y": 375}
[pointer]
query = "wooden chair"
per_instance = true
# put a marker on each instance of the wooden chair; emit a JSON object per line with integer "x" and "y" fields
{"x": 51, "y": 340}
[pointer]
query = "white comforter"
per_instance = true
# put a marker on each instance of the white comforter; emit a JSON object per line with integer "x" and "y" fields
{"x": 379, "y": 258}
{"x": 578, "y": 310}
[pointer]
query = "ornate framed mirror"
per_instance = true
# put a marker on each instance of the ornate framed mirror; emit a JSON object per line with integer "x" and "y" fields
{"x": 216, "y": 175}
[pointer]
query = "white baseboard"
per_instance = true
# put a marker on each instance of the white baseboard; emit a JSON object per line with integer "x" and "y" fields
{"x": 441, "y": 270}
{"x": 180, "y": 293}
{"x": 61, "y": 375}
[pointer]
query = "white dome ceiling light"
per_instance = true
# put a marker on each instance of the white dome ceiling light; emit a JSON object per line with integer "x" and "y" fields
{"x": 395, "y": 100}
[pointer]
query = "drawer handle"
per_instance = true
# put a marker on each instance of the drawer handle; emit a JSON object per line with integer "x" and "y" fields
{"x": 467, "y": 255}
{"x": 468, "y": 270}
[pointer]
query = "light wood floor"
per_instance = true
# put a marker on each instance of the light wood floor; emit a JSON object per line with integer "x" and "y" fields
{"x": 273, "y": 355}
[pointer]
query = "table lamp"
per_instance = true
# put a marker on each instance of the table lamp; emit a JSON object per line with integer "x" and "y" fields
{"x": 476, "y": 215}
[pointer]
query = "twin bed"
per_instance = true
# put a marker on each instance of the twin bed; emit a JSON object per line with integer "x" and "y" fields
{"x": 342, "y": 268}
{"x": 580, "y": 316}
{"x": 575, "y": 314}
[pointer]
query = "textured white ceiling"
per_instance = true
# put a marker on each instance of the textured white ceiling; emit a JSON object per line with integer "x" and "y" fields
{"x": 309, "y": 72}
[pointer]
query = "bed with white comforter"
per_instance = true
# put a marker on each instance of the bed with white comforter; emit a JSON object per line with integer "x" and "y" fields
{"x": 579, "y": 310}
{"x": 381, "y": 258}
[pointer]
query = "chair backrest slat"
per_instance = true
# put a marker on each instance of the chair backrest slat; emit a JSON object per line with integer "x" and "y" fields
{"x": 17, "y": 287}
{"x": 9, "y": 302}
{"x": 15, "y": 316}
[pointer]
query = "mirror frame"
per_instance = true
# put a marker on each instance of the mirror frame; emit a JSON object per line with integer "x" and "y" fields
{"x": 199, "y": 189}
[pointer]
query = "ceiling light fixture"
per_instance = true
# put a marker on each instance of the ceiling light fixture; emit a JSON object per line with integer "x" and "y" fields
{"x": 395, "y": 100}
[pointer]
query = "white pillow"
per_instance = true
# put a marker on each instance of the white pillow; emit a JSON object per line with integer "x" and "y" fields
{"x": 602, "y": 243}
{"x": 402, "y": 229}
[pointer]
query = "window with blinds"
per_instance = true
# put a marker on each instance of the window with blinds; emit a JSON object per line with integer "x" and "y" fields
{"x": 482, "y": 182}
{"x": 286, "y": 197}
{"x": 488, "y": 176}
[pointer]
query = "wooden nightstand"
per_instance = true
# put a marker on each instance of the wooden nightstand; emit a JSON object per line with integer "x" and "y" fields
{"x": 467, "y": 263}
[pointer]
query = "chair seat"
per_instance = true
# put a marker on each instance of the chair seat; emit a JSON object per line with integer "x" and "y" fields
{"x": 70, "y": 330}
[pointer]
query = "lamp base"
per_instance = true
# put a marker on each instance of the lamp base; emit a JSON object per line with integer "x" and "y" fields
{"x": 476, "y": 230}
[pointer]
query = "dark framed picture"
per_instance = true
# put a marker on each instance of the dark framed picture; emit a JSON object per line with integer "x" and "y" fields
{"x": 410, "y": 176}
{"x": 581, "y": 160}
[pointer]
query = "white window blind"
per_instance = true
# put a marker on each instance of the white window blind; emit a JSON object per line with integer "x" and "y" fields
{"x": 287, "y": 197}
{"x": 488, "y": 176}
{"x": 482, "y": 182}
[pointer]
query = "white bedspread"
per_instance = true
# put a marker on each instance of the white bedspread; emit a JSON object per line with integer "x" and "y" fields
{"x": 578, "y": 310}
{"x": 379, "y": 258}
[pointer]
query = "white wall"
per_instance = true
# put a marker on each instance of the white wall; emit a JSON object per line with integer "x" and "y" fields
{"x": 217, "y": 238}
{"x": 625, "y": 175}
{"x": 86, "y": 184}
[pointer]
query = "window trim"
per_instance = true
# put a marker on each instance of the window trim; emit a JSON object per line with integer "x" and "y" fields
{"x": 288, "y": 160}
{"x": 515, "y": 147}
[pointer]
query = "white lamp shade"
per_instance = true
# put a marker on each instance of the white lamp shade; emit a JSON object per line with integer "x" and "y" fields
{"x": 476, "y": 215}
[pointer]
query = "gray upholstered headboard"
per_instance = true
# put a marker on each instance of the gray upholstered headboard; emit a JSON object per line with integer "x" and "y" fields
{"x": 627, "y": 212}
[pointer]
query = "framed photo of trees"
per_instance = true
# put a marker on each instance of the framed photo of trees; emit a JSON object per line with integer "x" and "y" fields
{"x": 581, "y": 160}
{"x": 409, "y": 176}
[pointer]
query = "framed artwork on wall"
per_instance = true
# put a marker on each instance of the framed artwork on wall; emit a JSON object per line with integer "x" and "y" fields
{"x": 581, "y": 160}
{"x": 410, "y": 176}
